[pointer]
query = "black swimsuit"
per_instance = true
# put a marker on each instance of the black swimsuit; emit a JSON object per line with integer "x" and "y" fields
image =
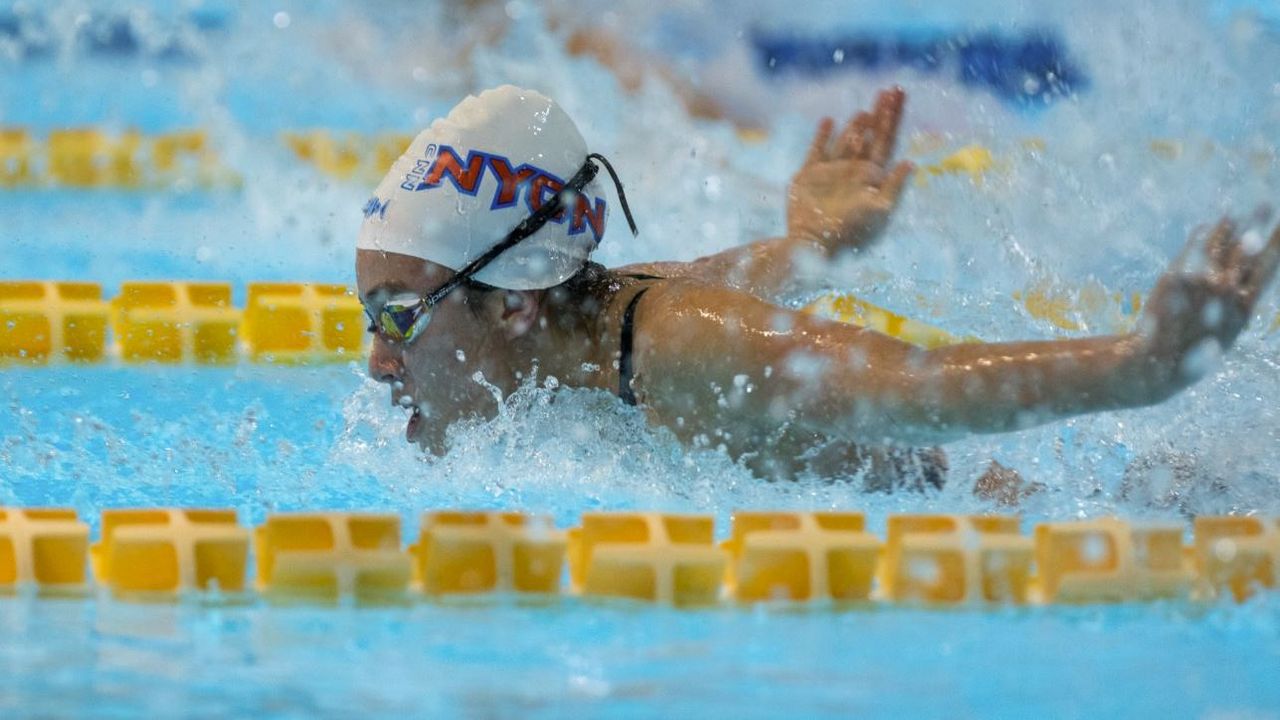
{"x": 626, "y": 367}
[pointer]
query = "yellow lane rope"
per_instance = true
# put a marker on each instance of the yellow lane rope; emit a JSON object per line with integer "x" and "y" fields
{"x": 773, "y": 557}
{"x": 174, "y": 322}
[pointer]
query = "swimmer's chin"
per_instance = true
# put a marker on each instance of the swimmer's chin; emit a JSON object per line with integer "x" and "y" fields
{"x": 429, "y": 446}
{"x": 427, "y": 437}
{"x": 429, "y": 430}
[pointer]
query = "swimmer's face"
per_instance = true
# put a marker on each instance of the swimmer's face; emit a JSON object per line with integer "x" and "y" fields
{"x": 432, "y": 376}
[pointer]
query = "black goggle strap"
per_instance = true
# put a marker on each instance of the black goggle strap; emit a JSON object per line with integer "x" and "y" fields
{"x": 617, "y": 184}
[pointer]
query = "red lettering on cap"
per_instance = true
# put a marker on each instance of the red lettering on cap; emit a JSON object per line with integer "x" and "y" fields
{"x": 545, "y": 186}
{"x": 509, "y": 181}
{"x": 449, "y": 165}
{"x": 583, "y": 215}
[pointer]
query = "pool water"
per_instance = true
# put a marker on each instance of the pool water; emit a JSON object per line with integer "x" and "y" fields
{"x": 502, "y": 659}
{"x": 1086, "y": 190}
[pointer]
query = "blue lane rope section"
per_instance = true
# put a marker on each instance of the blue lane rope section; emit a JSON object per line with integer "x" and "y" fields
{"x": 1030, "y": 69}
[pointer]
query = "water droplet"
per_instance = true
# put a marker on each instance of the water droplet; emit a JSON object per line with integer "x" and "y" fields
{"x": 1225, "y": 549}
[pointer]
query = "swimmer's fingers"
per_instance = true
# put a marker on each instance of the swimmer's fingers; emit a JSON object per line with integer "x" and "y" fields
{"x": 821, "y": 142}
{"x": 896, "y": 180}
{"x": 1238, "y": 259}
{"x": 853, "y": 142}
{"x": 1250, "y": 250}
{"x": 887, "y": 117}
{"x": 1261, "y": 268}
{"x": 1219, "y": 248}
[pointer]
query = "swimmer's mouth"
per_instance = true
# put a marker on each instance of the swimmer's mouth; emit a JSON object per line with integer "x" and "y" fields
{"x": 415, "y": 422}
{"x": 415, "y": 416}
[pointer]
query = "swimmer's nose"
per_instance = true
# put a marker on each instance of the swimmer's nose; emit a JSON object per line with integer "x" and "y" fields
{"x": 385, "y": 365}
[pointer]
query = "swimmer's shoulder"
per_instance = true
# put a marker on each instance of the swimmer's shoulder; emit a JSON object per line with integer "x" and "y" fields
{"x": 703, "y": 270}
{"x": 667, "y": 270}
{"x": 643, "y": 287}
{"x": 662, "y": 287}
{"x": 678, "y": 317}
{"x": 683, "y": 324}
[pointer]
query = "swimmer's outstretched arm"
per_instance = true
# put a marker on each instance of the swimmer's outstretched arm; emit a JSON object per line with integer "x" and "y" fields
{"x": 840, "y": 200}
{"x": 709, "y": 356}
{"x": 631, "y": 65}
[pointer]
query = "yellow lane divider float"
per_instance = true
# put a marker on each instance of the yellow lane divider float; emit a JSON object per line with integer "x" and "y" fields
{"x": 1238, "y": 554}
{"x": 326, "y": 556}
{"x": 91, "y": 158}
{"x": 45, "y": 547}
{"x": 956, "y": 559}
{"x": 646, "y": 556}
{"x": 41, "y": 321}
{"x": 348, "y": 156}
{"x": 302, "y": 322}
{"x": 173, "y": 322}
{"x": 166, "y": 551}
{"x": 1109, "y": 560}
{"x": 479, "y": 552}
{"x": 800, "y": 556}
{"x": 851, "y": 309}
{"x": 670, "y": 559}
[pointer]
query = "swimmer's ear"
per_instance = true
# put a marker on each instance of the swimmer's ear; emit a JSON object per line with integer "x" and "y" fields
{"x": 517, "y": 312}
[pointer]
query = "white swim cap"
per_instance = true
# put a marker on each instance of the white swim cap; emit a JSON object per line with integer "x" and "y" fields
{"x": 470, "y": 178}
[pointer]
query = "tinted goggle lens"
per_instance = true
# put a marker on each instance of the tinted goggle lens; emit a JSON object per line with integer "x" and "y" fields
{"x": 403, "y": 321}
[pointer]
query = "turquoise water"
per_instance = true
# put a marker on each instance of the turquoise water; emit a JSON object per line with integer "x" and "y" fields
{"x": 499, "y": 659}
{"x": 1093, "y": 204}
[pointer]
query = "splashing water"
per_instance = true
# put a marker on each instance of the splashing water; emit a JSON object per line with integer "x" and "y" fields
{"x": 1091, "y": 202}
{"x": 1177, "y": 125}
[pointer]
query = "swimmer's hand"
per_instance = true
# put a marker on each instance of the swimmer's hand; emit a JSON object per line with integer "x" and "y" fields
{"x": 1194, "y": 314}
{"x": 843, "y": 195}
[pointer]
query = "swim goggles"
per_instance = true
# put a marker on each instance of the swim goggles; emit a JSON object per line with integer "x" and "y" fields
{"x": 403, "y": 318}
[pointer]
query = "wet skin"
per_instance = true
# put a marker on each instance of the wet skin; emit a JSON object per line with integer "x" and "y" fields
{"x": 718, "y": 364}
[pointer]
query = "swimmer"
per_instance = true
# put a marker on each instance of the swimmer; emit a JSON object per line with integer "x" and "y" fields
{"x": 473, "y": 263}
{"x": 463, "y": 28}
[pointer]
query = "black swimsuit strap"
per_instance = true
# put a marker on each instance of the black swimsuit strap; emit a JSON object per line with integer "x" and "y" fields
{"x": 625, "y": 365}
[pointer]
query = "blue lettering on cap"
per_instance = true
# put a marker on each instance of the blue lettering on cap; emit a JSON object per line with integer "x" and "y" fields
{"x": 377, "y": 207}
